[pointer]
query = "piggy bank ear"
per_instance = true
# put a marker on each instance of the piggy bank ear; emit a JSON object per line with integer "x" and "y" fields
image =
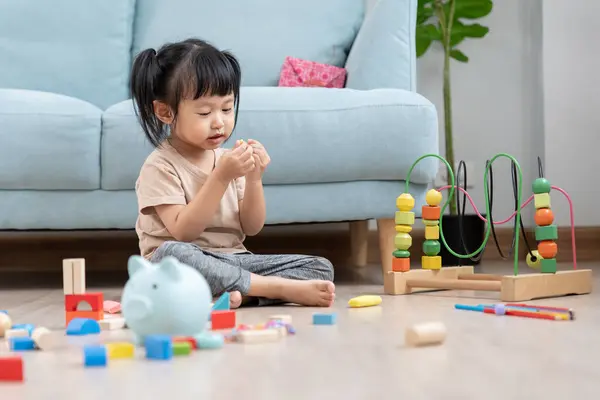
{"x": 135, "y": 264}
{"x": 170, "y": 267}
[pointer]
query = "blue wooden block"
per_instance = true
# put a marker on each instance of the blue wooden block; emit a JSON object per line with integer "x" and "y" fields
{"x": 22, "y": 343}
{"x": 28, "y": 327}
{"x": 94, "y": 355}
{"x": 158, "y": 347}
{"x": 207, "y": 340}
{"x": 324, "y": 319}
{"x": 222, "y": 302}
{"x": 4, "y": 311}
{"x": 83, "y": 326}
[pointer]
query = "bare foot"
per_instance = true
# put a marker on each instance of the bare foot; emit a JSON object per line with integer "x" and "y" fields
{"x": 308, "y": 293}
{"x": 235, "y": 299}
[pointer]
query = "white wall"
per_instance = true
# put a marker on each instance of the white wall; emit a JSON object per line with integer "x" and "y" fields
{"x": 572, "y": 104}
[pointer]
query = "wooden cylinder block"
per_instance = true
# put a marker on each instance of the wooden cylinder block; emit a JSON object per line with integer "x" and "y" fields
{"x": 403, "y": 228}
{"x": 543, "y": 217}
{"x": 430, "y": 212}
{"x": 5, "y": 323}
{"x": 400, "y": 264}
{"x": 547, "y": 249}
{"x": 403, "y": 241}
{"x": 425, "y": 334}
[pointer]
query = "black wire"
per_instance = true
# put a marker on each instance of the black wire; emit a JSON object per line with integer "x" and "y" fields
{"x": 491, "y": 201}
{"x": 461, "y": 214}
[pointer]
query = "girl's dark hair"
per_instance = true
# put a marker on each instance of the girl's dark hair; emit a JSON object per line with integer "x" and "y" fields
{"x": 183, "y": 70}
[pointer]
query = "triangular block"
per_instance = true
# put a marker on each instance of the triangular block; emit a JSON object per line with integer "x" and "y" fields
{"x": 222, "y": 303}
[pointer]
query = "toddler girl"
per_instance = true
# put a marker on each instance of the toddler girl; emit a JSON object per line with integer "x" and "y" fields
{"x": 197, "y": 201}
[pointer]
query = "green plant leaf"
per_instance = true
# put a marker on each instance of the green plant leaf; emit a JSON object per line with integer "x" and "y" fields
{"x": 461, "y": 31}
{"x": 459, "y": 55}
{"x": 471, "y": 9}
{"x": 425, "y": 34}
{"x": 424, "y": 11}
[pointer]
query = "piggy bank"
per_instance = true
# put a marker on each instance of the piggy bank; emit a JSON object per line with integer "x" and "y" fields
{"x": 164, "y": 298}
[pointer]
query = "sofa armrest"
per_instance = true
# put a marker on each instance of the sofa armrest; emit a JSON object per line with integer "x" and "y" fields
{"x": 383, "y": 54}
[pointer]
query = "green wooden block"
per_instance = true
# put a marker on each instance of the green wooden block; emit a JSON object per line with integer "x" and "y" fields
{"x": 182, "y": 348}
{"x": 548, "y": 265}
{"x": 431, "y": 247}
{"x": 401, "y": 253}
{"x": 541, "y": 185}
{"x": 549, "y": 232}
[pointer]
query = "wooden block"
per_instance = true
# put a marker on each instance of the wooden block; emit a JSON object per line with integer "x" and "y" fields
{"x": 405, "y": 218}
{"x": 258, "y": 336}
{"x": 79, "y": 276}
{"x": 541, "y": 200}
{"x": 395, "y": 282}
{"x": 430, "y": 212}
{"x": 181, "y": 348}
{"x": 403, "y": 228}
{"x": 549, "y": 232}
{"x": 43, "y": 338}
{"x": 95, "y": 300}
{"x": 67, "y": 277}
{"x": 537, "y": 286}
{"x": 5, "y": 323}
{"x": 425, "y": 334}
{"x": 95, "y": 315}
{"x": 111, "y": 324}
{"x": 120, "y": 350}
{"x": 548, "y": 265}
{"x": 186, "y": 339}
{"x": 12, "y": 333}
{"x": 222, "y": 319}
{"x": 11, "y": 369}
{"x": 432, "y": 232}
{"x": 400, "y": 264}
{"x": 431, "y": 262}
{"x": 402, "y": 241}
{"x": 431, "y": 222}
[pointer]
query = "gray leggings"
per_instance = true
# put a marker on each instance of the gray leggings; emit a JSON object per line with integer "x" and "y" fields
{"x": 227, "y": 272}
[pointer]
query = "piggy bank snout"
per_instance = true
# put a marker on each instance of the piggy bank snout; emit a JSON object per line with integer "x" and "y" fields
{"x": 138, "y": 307}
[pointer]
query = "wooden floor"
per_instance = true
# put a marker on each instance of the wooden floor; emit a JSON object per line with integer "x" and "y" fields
{"x": 363, "y": 356}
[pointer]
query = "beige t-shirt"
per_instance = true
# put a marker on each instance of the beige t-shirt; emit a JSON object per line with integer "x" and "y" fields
{"x": 168, "y": 178}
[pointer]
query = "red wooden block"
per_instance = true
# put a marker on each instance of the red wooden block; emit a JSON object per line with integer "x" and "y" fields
{"x": 95, "y": 315}
{"x": 95, "y": 300}
{"x": 11, "y": 369}
{"x": 400, "y": 264}
{"x": 430, "y": 212}
{"x": 222, "y": 319}
{"x": 187, "y": 339}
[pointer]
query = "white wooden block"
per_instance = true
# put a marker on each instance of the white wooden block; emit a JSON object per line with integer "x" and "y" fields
{"x": 259, "y": 336}
{"x": 43, "y": 338}
{"x": 16, "y": 333}
{"x": 5, "y": 323}
{"x": 286, "y": 319}
{"x": 425, "y": 334}
{"x": 67, "y": 276}
{"x": 79, "y": 276}
{"x": 112, "y": 324}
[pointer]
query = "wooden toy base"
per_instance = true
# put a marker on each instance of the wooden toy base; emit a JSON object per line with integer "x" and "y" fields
{"x": 512, "y": 288}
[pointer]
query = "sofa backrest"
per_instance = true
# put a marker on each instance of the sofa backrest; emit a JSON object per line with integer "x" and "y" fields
{"x": 261, "y": 33}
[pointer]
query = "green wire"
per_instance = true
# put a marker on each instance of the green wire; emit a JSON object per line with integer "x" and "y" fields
{"x": 487, "y": 205}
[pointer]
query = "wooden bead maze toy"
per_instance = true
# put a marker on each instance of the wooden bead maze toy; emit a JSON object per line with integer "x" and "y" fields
{"x": 549, "y": 282}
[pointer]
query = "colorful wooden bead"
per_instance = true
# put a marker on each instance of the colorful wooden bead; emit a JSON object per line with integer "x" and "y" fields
{"x": 430, "y": 212}
{"x": 431, "y": 262}
{"x": 431, "y": 222}
{"x": 405, "y": 218}
{"x": 541, "y": 200}
{"x": 431, "y": 247}
{"x": 547, "y": 248}
{"x": 120, "y": 350}
{"x": 433, "y": 197}
{"x": 405, "y": 202}
{"x": 400, "y": 264}
{"x": 548, "y": 265}
{"x": 541, "y": 185}
{"x": 543, "y": 216}
{"x": 94, "y": 355}
{"x": 549, "y": 232}
{"x": 432, "y": 232}
{"x": 403, "y": 241}
{"x": 181, "y": 348}
{"x": 401, "y": 253}
{"x": 403, "y": 228}
{"x": 533, "y": 259}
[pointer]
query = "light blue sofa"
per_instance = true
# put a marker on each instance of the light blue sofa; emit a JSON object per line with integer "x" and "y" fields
{"x": 71, "y": 148}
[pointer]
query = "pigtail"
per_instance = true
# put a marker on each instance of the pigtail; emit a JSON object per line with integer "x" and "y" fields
{"x": 145, "y": 74}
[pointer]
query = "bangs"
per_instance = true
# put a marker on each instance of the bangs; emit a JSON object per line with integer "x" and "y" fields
{"x": 207, "y": 72}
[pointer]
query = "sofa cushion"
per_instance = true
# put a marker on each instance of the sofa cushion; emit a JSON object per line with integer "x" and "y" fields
{"x": 72, "y": 47}
{"x": 313, "y": 135}
{"x": 49, "y": 141}
{"x": 260, "y": 33}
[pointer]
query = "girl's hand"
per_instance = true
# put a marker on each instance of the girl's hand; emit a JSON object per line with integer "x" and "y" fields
{"x": 261, "y": 160}
{"x": 236, "y": 162}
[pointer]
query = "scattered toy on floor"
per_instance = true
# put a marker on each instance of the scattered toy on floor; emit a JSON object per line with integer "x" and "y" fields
{"x": 425, "y": 334}
{"x": 324, "y": 319}
{"x": 365, "y": 301}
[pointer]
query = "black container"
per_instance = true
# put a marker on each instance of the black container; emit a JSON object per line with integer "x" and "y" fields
{"x": 473, "y": 232}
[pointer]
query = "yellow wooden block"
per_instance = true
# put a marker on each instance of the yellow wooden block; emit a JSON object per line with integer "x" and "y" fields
{"x": 541, "y": 200}
{"x": 431, "y": 222}
{"x": 405, "y": 218}
{"x": 405, "y": 202}
{"x": 120, "y": 350}
{"x": 403, "y": 241}
{"x": 431, "y": 262}
{"x": 432, "y": 232}
{"x": 403, "y": 228}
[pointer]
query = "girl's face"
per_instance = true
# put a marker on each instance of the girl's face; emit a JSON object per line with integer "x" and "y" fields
{"x": 205, "y": 123}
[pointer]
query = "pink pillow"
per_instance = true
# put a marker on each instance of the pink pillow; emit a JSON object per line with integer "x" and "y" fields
{"x": 298, "y": 72}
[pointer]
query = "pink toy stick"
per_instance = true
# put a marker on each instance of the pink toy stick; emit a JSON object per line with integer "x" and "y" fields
{"x": 522, "y": 206}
